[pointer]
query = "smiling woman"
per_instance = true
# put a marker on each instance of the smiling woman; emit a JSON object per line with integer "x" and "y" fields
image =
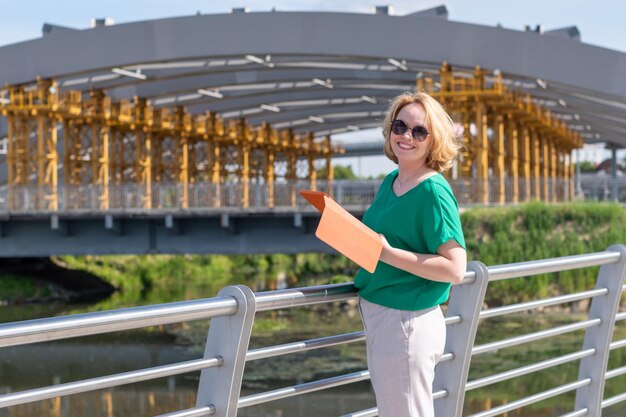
{"x": 423, "y": 253}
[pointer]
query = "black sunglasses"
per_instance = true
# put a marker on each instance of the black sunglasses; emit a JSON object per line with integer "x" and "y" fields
{"x": 419, "y": 133}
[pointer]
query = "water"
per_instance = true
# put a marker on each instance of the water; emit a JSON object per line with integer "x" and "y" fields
{"x": 42, "y": 364}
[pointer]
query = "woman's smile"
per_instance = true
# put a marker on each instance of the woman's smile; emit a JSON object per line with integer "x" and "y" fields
{"x": 404, "y": 146}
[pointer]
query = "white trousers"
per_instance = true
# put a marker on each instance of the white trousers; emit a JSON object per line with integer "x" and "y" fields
{"x": 403, "y": 348}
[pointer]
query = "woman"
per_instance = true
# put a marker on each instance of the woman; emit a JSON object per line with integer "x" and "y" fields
{"x": 423, "y": 253}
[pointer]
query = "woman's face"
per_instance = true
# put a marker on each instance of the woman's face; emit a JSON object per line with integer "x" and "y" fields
{"x": 407, "y": 149}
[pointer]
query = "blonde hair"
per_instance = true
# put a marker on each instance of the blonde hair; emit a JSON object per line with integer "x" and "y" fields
{"x": 444, "y": 147}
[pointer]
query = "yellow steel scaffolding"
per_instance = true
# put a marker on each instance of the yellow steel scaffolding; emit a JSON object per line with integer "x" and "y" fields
{"x": 111, "y": 144}
{"x": 513, "y": 150}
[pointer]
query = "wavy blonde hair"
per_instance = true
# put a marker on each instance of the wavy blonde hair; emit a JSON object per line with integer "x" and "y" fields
{"x": 444, "y": 145}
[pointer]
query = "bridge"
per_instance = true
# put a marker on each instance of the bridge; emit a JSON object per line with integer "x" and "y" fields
{"x": 163, "y": 142}
{"x": 159, "y": 105}
{"x": 233, "y": 311}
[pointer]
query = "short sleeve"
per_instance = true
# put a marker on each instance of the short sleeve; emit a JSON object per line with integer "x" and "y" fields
{"x": 441, "y": 221}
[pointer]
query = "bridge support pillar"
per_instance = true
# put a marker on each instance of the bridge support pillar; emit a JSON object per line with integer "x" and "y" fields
{"x": 535, "y": 160}
{"x": 525, "y": 164}
{"x": 512, "y": 159}
{"x": 311, "y": 160}
{"x": 482, "y": 157}
{"x": 545, "y": 165}
{"x": 499, "y": 158}
{"x": 328, "y": 151}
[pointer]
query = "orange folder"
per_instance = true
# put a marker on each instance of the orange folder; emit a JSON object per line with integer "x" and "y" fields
{"x": 344, "y": 232}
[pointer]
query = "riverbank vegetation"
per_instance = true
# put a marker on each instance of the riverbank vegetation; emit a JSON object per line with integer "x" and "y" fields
{"x": 493, "y": 236}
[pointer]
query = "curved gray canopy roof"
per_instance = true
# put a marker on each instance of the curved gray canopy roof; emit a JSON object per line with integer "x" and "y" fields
{"x": 326, "y": 72}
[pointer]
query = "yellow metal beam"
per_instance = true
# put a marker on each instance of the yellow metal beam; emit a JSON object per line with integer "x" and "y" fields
{"x": 311, "y": 159}
{"x": 526, "y": 158}
{"x": 545, "y": 165}
{"x": 498, "y": 169}
{"x": 512, "y": 157}
{"x": 482, "y": 154}
{"x": 536, "y": 161}
{"x": 328, "y": 153}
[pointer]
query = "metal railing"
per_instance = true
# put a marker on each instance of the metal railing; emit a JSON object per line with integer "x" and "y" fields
{"x": 354, "y": 194}
{"x": 233, "y": 311}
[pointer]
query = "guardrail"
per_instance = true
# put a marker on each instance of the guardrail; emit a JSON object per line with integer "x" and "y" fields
{"x": 232, "y": 315}
{"x": 283, "y": 195}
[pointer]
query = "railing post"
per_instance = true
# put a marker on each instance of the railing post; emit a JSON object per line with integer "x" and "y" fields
{"x": 228, "y": 337}
{"x": 599, "y": 337}
{"x": 466, "y": 301}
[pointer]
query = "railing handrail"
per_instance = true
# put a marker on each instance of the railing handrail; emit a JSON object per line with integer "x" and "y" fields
{"x": 232, "y": 302}
{"x": 212, "y": 197}
{"x": 47, "y": 329}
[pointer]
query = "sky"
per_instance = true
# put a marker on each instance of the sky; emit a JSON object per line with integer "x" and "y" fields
{"x": 600, "y": 22}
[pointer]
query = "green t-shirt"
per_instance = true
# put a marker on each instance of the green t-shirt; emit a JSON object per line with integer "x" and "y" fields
{"x": 419, "y": 221}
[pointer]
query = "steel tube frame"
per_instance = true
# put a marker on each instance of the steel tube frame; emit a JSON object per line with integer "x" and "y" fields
{"x": 614, "y": 400}
{"x": 545, "y": 266}
{"x": 532, "y": 337}
{"x": 516, "y": 308}
{"x": 602, "y": 308}
{"x": 617, "y": 344}
{"x": 192, "y": 412}
{"x": 533, "y": 398}
{"x": 578, "y": 413}
{"x": 503, "y": 376}
{"x": 93, "y": 384}
{"x": 322, "y": 342}
{"x": 305, "y": 388}
{"x": 55, "y": 328}
{"x": 227, "y": 306}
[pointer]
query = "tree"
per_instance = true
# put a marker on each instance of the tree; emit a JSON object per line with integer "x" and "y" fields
{"x": 340, "y": 172}
{"x": 586, "y": 167}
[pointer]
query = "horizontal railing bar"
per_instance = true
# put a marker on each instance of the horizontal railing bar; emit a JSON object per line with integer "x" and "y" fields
{"x": 468, "y": 278}
{"x": 514, "y": 341}
{"x": 297, "y": 297}
{"x": 307, "y": 387}
{"x": 54, "y": 328}
{"x": 294, "y": 297}
{"x": 503, "y": 376}
{"x": 516, "y": 308}
{"x": 620, "y": 316}
{"x": 322, "y": 342}
{"x": 271, "y": 351}
{"x": 440, "y": 394}
{"x": 615, "y": 372}
{"x": 544, "y": 266}
{"x": 578, "y": 413}
{"x": 115, "y": 380}
{"x": 453, "y": 320}
{"x": 209, "y": 410}
{"x": 370, "y": 412}
{"x": 614, "y": 400}
{"x": 617, "y": 344}
{"x": 533, "y": 398}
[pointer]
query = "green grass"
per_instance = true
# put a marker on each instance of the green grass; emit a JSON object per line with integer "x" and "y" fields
{"x": 21, "y": 289}
{"x": 493, "y": 235}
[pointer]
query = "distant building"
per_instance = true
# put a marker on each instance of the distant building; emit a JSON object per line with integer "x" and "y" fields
{"x": 592, "y": 152}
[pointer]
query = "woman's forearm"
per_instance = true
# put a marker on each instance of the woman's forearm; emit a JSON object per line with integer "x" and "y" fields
{"x": 432, "y": 267}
